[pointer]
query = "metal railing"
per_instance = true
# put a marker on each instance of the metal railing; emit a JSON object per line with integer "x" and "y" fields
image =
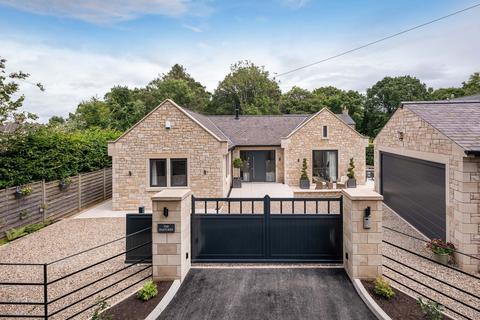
{"x": 266, "y": 201}
{"x": 473, "y": 296}
{"x": 47, "y": 282}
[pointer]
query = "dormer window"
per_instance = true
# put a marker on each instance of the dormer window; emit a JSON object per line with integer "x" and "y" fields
{"x": 325, "y": 132}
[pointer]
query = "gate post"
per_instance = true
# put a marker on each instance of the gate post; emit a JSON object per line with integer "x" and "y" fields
{"x": 171, "y": 234}
{"x": 362, "y": 240}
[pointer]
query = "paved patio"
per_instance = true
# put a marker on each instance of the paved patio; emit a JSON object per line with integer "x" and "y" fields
{"x": 102, "y": 210}
{"x": 260, "y": 189}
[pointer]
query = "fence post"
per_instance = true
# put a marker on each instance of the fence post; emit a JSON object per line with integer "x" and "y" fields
{"x": 104, "y": 184}
{"x": 79, "y": 192}
{"x": 44, "y": 200}
{"x": 45, "y": 291}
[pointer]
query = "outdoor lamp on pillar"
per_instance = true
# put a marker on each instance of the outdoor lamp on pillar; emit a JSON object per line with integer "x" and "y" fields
{"x": 366, "y": 218}
{"x": 165, "y": 212}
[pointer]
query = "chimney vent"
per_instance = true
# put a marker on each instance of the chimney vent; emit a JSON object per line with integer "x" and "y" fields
{"x": 237, "y": 111}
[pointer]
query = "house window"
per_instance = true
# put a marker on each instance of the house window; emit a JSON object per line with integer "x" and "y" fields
{"x": 325, "y": 164}
{"x": 158, "y": 172}
{"x": 325, "y": 131}
{"x": 178, "y": 170}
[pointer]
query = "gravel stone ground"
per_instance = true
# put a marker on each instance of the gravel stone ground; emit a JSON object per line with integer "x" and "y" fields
{"x": 56, "y": 241}
{"x": 465, "y": 282}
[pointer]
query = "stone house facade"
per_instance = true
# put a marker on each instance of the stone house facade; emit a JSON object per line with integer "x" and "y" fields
{"x": 445, "y": 133}
{"x": 173, "y": 147}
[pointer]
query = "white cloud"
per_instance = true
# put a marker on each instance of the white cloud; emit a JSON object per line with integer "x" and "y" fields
{"x": 440, "y": 57}
{"x": 192, "y": 28}
{"x": 295, "y": 4}
{"x": 109, "y": 11}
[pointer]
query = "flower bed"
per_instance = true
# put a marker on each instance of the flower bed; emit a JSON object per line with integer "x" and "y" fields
{"x": 401, "y": 306}
{"x": 133, "y": 308}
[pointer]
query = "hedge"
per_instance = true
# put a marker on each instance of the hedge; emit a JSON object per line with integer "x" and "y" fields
{"x": 52, "y": 153}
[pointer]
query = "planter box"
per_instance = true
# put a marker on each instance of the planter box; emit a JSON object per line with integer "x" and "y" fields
{"x": 236, "y": 183}
{"x": 351, "y": 183}
{"x": 304, "y": 184}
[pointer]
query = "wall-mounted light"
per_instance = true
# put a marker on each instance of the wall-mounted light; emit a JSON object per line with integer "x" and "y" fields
{"x": 130, "y": 173}
{"x": 165, "y": 212}
{"x": 168, "y": 125}
{"x": 400, "y": 135}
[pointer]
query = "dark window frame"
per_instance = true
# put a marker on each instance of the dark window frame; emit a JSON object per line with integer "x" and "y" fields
{"x": 164, "y": 160}
{"x": 325, "y": 150}
{"x": 171, "y": 172}
{"x": 325, "y": 132}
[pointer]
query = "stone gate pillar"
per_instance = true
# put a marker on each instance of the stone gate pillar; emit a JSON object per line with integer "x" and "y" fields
{"x": 171, "y": 234}
{"x": 362, "y": 246}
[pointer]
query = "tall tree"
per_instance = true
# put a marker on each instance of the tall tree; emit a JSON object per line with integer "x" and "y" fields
{"x": 472, "y": 85}
{"x": 10, "y": 101}
{"x": 179, "y": 86}
{"x": 247, "y": 87}
{"x": 91, "y": 113}
{"x": 446, "y": 93}
{"x": 385, "y": 96}
{"x": 125, "y": 109}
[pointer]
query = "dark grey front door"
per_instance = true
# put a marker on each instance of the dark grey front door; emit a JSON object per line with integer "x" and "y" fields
{"x": 415, "y": 189}
{"x": 261, "y": 165}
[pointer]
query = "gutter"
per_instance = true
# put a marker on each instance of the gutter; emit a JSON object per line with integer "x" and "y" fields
{"x": 475, "y": 153}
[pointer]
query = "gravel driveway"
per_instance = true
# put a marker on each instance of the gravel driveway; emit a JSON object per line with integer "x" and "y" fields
{"x": 465, "y": 282}
{"x": 56, "y": 241}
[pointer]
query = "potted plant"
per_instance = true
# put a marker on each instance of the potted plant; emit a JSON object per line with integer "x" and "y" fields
{"x": 351, "y": 182}
{"x": 65, "y": 183}
{"x": 21, "y": 192}
{"x": 237, "y": 164}
{"x": 441, "y": 250}
{"x": 304, "y": 180}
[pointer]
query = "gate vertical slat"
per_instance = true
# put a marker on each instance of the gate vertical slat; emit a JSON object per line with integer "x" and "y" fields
{"x": 266, "y": 225}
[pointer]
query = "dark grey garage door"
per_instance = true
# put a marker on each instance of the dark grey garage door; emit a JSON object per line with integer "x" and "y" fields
{"x": 415, "y": 189}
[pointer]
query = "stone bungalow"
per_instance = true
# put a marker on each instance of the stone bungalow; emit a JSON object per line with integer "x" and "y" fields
{"x": 427, "y": 166}
{"x": 173, "y": 147}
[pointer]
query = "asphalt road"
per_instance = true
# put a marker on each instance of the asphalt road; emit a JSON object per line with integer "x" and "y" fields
{"x": 241, "y": 294}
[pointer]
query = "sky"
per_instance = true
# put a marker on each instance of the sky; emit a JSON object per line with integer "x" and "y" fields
{"x": 80, "y": 49}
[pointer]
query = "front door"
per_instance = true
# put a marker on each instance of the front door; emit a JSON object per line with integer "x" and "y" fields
{"x": 259, "y": 166}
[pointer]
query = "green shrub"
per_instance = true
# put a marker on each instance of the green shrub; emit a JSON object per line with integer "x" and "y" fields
{"x": 351, "y": 169}
{"x": 439, "y": 246}
{"x": 304, "y": 174}
{"x": 383, "y": 288}
{"x": 36, "y": 226}
{"x": 13, "y": 233}
{"x": 432, "y": 309}
{"x": 148, "y": 291}
{"x": 237, "y": 163}
{"x": 369, "y": 154}
{"x": 52, "y": 154}
{"x": 100, "y": 306}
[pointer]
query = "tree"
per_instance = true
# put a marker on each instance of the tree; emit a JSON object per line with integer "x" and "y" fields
{"x": 446, "y": 93}
{"x": 472, "y": 85}
{"x": 247, "y": 87}
{"x": 10, "y": 102}
{"x": 125, "y": 110}
{"x": 56, "y": 121}
{"x": 297, "y": 100}
{"x": 385, "y": 96}
{"x": 179, "y": 86}
{"x": 90, "y": 114}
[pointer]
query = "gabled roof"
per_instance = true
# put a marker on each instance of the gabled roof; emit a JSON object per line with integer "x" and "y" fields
{"x": 459, "y": 120}
{"x": 252, "y": 130}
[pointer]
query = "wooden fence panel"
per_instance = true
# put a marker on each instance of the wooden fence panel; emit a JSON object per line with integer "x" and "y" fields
{"x": 48, "y": 202}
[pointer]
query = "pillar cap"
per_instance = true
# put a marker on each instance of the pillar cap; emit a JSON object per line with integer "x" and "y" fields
{"x": 171, "y": 195}
{"x": 361, "y": 194}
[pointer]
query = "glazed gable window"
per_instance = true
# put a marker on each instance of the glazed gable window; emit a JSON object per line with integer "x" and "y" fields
{"x": 158, "y": 172}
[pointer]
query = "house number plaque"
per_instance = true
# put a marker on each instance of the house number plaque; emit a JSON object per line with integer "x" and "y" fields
{"x": 166, "y": 228}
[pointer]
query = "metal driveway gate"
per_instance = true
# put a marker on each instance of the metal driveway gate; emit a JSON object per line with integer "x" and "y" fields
{"x": 267, "y": 229}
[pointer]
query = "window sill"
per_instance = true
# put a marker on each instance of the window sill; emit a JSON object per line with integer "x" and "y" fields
{"x": 164, "y": 188}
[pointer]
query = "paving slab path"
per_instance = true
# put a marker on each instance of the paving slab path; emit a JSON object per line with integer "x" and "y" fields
{"x": 284, "y": 293}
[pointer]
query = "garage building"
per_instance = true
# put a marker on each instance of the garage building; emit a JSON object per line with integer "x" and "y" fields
{"x": 427, "y": 166}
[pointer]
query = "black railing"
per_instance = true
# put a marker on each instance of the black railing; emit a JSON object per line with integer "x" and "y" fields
{"x": 47, "y": 282}
{"x": 243, "y": 209}
{"x": 473, "y": 296}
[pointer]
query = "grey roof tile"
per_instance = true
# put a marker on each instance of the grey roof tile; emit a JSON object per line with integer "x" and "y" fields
{"x": 266, "y": 130}
{"x": 459, "y": 120}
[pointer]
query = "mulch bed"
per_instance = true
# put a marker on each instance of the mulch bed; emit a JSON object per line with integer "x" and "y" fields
{"x": 401, "y": 306}
{"x": 136, "y": 309}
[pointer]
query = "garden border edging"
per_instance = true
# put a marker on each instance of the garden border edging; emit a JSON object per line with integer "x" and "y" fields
{"x": 371, "y": 304}
{"x": 165, "y": 301}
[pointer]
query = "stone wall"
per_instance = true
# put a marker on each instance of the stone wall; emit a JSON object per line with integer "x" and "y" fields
{"x": 362, "y": 247}
{"x": 150, "y": 139}
{"x": 341, "y": 137}
{"x": 171, "y": 255}
{"x": 422, "y": 141}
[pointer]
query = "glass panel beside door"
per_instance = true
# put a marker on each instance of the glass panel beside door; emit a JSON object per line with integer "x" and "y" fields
{"x": 258, "y": 166}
